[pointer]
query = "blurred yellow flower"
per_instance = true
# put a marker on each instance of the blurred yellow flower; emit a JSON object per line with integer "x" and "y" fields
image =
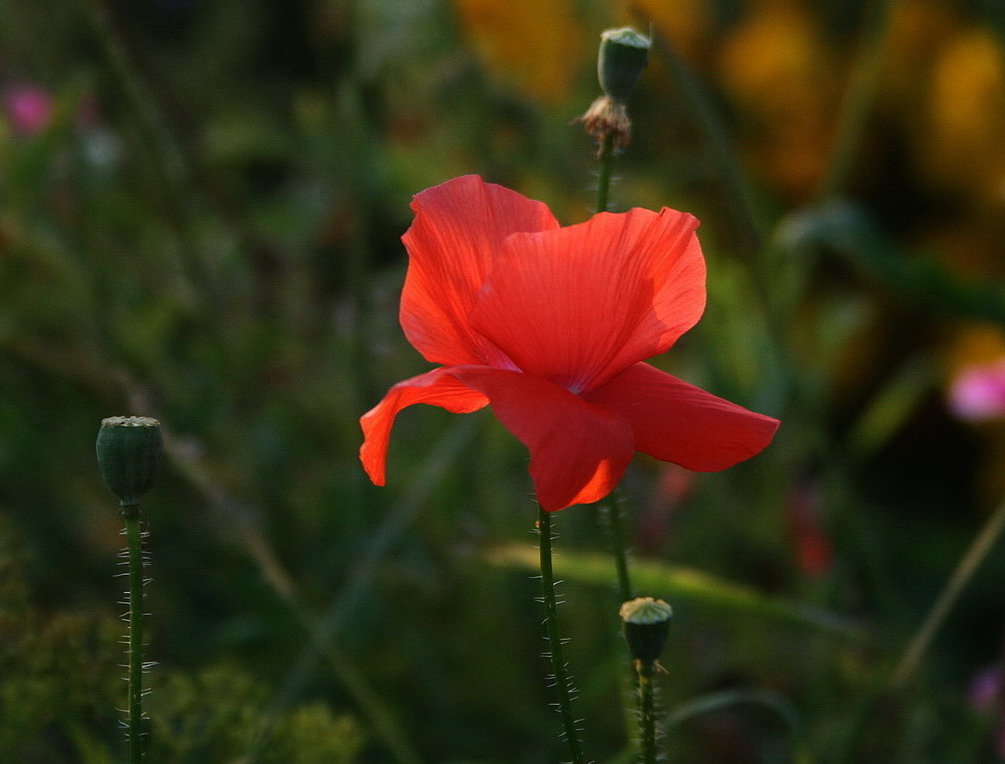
{"x": 917, "y": 30}
{"x": 777, "y": 70}
{"x": 775, "y": 65}
{"x": 964, "y": 142}
{"x": 686, "y": 24}
{"x": 536, "y": 46}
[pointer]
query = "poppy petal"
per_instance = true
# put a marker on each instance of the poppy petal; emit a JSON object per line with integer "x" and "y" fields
{"x": 579, "y": 304}
{"x": 680, "y": 423}
{"x": 578, "y": 451}
{"x": 457, "y": 233}
{"x": 436, "y": 387}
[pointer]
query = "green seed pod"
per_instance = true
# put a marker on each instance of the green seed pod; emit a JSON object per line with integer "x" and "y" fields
{"x": 647, "y": 626}
{"x": 129, "y": 453}
{"x": 622, "y": 59}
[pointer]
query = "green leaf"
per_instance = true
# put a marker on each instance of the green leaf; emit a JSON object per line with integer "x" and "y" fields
{"x": 890, "y": 408}
{"x": 679, "y": 584}
{"x": 842, "y": 227}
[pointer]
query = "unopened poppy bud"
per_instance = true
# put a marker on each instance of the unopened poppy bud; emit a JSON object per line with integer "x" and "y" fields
{"x": 129, "y": 452}
{"x": 646, "y": 626}
{"x": 622, "y": 59}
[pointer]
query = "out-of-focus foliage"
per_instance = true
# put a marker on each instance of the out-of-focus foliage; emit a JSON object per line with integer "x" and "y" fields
{"x": 63, "y": 683}
{"x": 200, "y": 211}
{"x": 218, "y": 716}
{"x": 59, "y": 670}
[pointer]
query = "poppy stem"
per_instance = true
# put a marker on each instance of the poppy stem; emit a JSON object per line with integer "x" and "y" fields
{"x": 616, "y": 540}
{"x": 560, "y": 669}
{"x": 134, "y": 600}
{"x": 646, "y": 628}
{"x": 611, "y": 512}
{"x": 647, "y": 710}
{"x": 605, "y": 155}
{"x": 965, "y": 569}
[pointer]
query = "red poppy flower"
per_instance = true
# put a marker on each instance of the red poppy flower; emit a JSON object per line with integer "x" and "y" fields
{"x": 549, "y": 325}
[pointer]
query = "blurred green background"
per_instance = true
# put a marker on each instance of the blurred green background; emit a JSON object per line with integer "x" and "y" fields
{"x": 200, "y": 210}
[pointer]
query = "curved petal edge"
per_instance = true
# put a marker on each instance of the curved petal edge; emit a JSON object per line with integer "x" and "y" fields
{"x": 578, "y": 451}
{"x": 437, "y": 387}
{"x": 677, "y": 422}
{"x": 577, "y": 305}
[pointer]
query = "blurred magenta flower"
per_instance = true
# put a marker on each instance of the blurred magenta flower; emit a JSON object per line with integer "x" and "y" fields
{"x": 985, "y": 696}
{"x": 985, "y": 689}
{"x": 978, "y": 393}
{"x": 549, "y": 326}
{"x": 28, "y": 107}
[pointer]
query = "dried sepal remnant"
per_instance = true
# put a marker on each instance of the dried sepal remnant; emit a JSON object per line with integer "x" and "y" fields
{"x": 621, "y": 60}
{"x": 607, "y": 117}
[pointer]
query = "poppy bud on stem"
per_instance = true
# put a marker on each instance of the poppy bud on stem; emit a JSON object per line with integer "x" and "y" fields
{"x": 129, "y": 452}
{"x": 646, "y": 624}
{"x": 623, "y": 56}
{"x": 620, "y": 62}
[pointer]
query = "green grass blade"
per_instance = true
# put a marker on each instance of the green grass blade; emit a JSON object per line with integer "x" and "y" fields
{"x": 679, "y": 584}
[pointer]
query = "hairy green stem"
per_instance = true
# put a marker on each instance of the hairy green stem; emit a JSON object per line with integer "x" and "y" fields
{"x": 605, "y": 156}
{"x": 134, "y": 546}
{"x": 612, "y": 508}
{"x": 563, "y": 680}
{"x": 615, "y": 533}
{"x": 616, "y": 540}
{"x": 647, "y": 710}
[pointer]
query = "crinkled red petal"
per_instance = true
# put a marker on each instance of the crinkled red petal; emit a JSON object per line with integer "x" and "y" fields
{"x": 577, "y": 305}
{"x": 578, "y": 451}
{"x": 457, "y": 234}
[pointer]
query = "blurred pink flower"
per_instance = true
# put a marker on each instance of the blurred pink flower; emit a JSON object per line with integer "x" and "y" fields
{"x": 985, "y": 689}
{"x": 978, "y": 393}
{"x": 28, "y": 107}
{"x": 985, "y": 696}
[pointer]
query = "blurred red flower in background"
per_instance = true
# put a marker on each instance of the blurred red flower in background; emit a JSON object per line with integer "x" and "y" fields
{"x": 548, "y": 325}
{"x": 813, "y": 550}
